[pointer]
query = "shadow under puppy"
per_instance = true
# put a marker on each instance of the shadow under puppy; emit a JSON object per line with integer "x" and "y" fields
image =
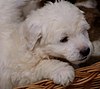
{"x": 29, "y": 48}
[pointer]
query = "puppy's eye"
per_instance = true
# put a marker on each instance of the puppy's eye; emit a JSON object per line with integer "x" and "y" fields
{"x": 63, "y": 40}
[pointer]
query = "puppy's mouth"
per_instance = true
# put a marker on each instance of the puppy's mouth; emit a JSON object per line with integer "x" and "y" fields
{"x": 58, "y": 58}
{"x": 81, "y": 60}
{"x": 63, "y": 60}
{"x": 72, "y": 63}
{"x": 84, "y": 58}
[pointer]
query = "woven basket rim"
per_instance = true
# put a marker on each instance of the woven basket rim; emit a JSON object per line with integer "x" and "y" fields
{"x": 85, "y": 75}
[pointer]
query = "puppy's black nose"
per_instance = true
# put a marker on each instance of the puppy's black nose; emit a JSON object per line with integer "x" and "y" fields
{"x": 85, "y": 51}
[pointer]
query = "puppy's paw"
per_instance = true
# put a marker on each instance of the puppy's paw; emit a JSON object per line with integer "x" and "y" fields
{"x": 63, "y": 76}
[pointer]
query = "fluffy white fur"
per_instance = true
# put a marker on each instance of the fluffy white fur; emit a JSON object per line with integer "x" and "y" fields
{"x": 27, "y": 47}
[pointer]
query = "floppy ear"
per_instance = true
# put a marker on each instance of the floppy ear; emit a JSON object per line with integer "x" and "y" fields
{"x": 32, "y": 35}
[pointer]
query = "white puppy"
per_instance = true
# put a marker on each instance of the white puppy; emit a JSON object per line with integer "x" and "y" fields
{"x": 29, "y": 49}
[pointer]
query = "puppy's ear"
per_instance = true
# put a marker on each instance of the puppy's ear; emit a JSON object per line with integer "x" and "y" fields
{"x": 32, "y": 35}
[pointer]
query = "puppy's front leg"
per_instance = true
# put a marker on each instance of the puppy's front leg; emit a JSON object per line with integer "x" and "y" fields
{"x": 60, "y": 72}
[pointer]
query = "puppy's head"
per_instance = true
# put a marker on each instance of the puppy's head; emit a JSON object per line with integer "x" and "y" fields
{"x": 60, "y": 30}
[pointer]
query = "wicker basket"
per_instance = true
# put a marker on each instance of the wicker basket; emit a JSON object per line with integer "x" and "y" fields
{"x": 86, "y": 78}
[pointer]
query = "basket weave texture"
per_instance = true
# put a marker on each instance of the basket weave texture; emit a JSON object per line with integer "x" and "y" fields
{"x": 86, "y": 78}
